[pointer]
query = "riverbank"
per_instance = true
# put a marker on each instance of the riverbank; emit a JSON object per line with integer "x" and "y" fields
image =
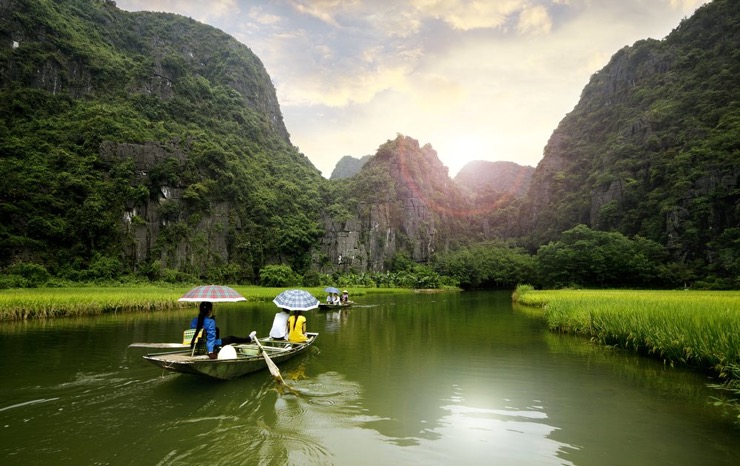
{"x": 42, "y": 303}
{"x": 699, "y": 329}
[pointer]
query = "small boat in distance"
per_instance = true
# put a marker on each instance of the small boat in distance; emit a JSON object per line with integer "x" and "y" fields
{"x": 327, "y": 306}
{"x": 248, "y": 358}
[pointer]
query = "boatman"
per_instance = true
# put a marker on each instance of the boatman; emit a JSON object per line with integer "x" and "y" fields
{"x": 207, "y": 322}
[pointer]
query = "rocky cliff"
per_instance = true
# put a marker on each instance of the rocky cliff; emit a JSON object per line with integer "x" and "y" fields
{"x": 506, "y": 178}
{"x": 92, "y": 48}
{"x": 402, "y": 201}
{"x": 348, "y": 166}
{"x": 163, "y": 146}
{"x": 149, "y": 142}
{"x": 652, "y": 147}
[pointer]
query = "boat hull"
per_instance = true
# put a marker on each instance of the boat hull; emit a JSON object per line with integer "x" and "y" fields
{"x": 329, "y": 307}
{"x": 248, "y": 359}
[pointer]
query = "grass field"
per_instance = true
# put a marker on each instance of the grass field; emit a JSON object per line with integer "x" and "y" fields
{"x": 33, "y": 303}
{"x": 699, "y": 329}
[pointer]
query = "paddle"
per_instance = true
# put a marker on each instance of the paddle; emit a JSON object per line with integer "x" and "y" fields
{"x": 270, "y": 365}
{"x": 159, "y": 345}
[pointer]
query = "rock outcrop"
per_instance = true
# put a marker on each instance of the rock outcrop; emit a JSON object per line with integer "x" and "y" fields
{"x": 648, "y": 150}
{"x": 405, "y": 203}
{"x": 348, "y": 166}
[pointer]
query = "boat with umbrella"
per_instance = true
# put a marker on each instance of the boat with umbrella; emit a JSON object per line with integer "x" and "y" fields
{"x": 233, "y": 360}
{"x": 324, "y": 306}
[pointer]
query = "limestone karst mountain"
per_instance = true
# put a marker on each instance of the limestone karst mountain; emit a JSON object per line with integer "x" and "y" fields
{"x": 151, "y": 143}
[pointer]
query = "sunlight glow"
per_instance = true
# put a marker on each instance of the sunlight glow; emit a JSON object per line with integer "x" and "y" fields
{"x": 463, "y": 149}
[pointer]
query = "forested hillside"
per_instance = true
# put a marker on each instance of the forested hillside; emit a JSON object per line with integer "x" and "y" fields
{"x": 143, "y": 142}
{"x": 495, "y": 191}
{"x": 653, "y": 149}
{"x": 149, "y": 144}
{"x": 348, "y": 166}
{"x": 402, "y": 202}
{"x": 502, "y": 178}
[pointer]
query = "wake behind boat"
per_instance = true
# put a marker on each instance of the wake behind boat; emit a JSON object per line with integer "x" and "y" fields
{"x": 248, "y": 358}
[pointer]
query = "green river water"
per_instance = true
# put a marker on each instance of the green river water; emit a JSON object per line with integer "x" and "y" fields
{"x": 427, "y": 379}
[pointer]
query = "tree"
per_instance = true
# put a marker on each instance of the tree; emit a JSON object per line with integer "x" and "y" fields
{"x": 585, "y": 257}
{"x": 491, "y": 264}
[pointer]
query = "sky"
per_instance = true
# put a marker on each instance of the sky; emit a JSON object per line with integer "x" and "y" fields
{"x": 475, "y": 79}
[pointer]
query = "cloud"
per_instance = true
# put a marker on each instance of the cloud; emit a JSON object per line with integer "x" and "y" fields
{"x": 468, "y": 15}
{"x": 206, "y": 12}
{"x": 534, "y": 20}
{"x": 474, "y": 78}
{"x": 687, "y": 6}
{"x": 324, "y": 10}
{"x": 260, "y": 16}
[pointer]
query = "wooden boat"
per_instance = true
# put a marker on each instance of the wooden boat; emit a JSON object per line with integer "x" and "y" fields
{"x": 328, "y": 307}
{"x": 248, "y": 358}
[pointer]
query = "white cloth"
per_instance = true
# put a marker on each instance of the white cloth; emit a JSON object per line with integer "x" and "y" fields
{"x": 280, "y": 325}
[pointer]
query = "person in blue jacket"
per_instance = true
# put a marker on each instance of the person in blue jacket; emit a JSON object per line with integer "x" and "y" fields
{"x": 207, "y": 322}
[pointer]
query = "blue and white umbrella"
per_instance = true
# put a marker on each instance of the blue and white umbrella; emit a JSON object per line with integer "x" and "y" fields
{"x": 331, "y": 289}
{"x": 296, "y": 300}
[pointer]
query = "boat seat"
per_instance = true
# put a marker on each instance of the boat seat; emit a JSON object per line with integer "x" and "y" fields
{"x": 200, "y": 342}
{"x": 248, "y": 350}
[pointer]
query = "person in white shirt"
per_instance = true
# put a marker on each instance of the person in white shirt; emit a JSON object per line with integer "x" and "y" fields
{"x": 279, "y": 329}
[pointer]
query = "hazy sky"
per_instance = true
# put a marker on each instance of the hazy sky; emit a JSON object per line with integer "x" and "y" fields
{"x": 478, "y": 80}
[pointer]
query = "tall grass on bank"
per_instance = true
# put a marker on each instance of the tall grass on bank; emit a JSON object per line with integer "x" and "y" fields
{"x": 35, "y": 303}
{"x": 699, "y": 329}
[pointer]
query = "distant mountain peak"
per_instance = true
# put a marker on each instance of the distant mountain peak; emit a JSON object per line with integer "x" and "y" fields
{"x": 504, "y": 177}
{"x": 348, "y": 166}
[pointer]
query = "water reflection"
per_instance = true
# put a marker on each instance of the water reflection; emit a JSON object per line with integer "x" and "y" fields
{"x": 522, "y": 434}
{"x": 428, "y": 379}
{"x": 335, "y": 319}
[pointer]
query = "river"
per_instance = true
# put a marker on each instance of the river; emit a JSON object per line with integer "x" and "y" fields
{"x": 428, "y": 379}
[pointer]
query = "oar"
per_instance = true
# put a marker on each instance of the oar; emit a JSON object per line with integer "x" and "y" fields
{"x": 273, "y": 367}
{"x": 158, "y": 345}
{"x": 270, "y": 365}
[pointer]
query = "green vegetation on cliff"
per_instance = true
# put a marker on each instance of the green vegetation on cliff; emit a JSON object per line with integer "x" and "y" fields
{"x": 653, "y": 149}
{"x": 149, "y": 144}
{"x": 106, "y": 113}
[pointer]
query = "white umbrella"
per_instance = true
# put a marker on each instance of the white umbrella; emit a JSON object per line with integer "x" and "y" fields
{"x": 296, "y": 300}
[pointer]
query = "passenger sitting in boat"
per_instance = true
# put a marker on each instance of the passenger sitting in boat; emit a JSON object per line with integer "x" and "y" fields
{"x": 335, "y": 299}
{"x": 329, "y": 299}
{"x": 207, "y": 322}
{"x": 297, "y": 328}
{"x": 280, "y": 325}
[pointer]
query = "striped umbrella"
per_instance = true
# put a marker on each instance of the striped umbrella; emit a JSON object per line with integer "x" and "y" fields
{"x": 296, "y": 300}
{"x": 212, "y": 293}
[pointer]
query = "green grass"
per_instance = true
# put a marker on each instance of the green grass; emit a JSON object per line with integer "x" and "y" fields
{"x": 33, "y": 303}
{"x": 698, "y": 329}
